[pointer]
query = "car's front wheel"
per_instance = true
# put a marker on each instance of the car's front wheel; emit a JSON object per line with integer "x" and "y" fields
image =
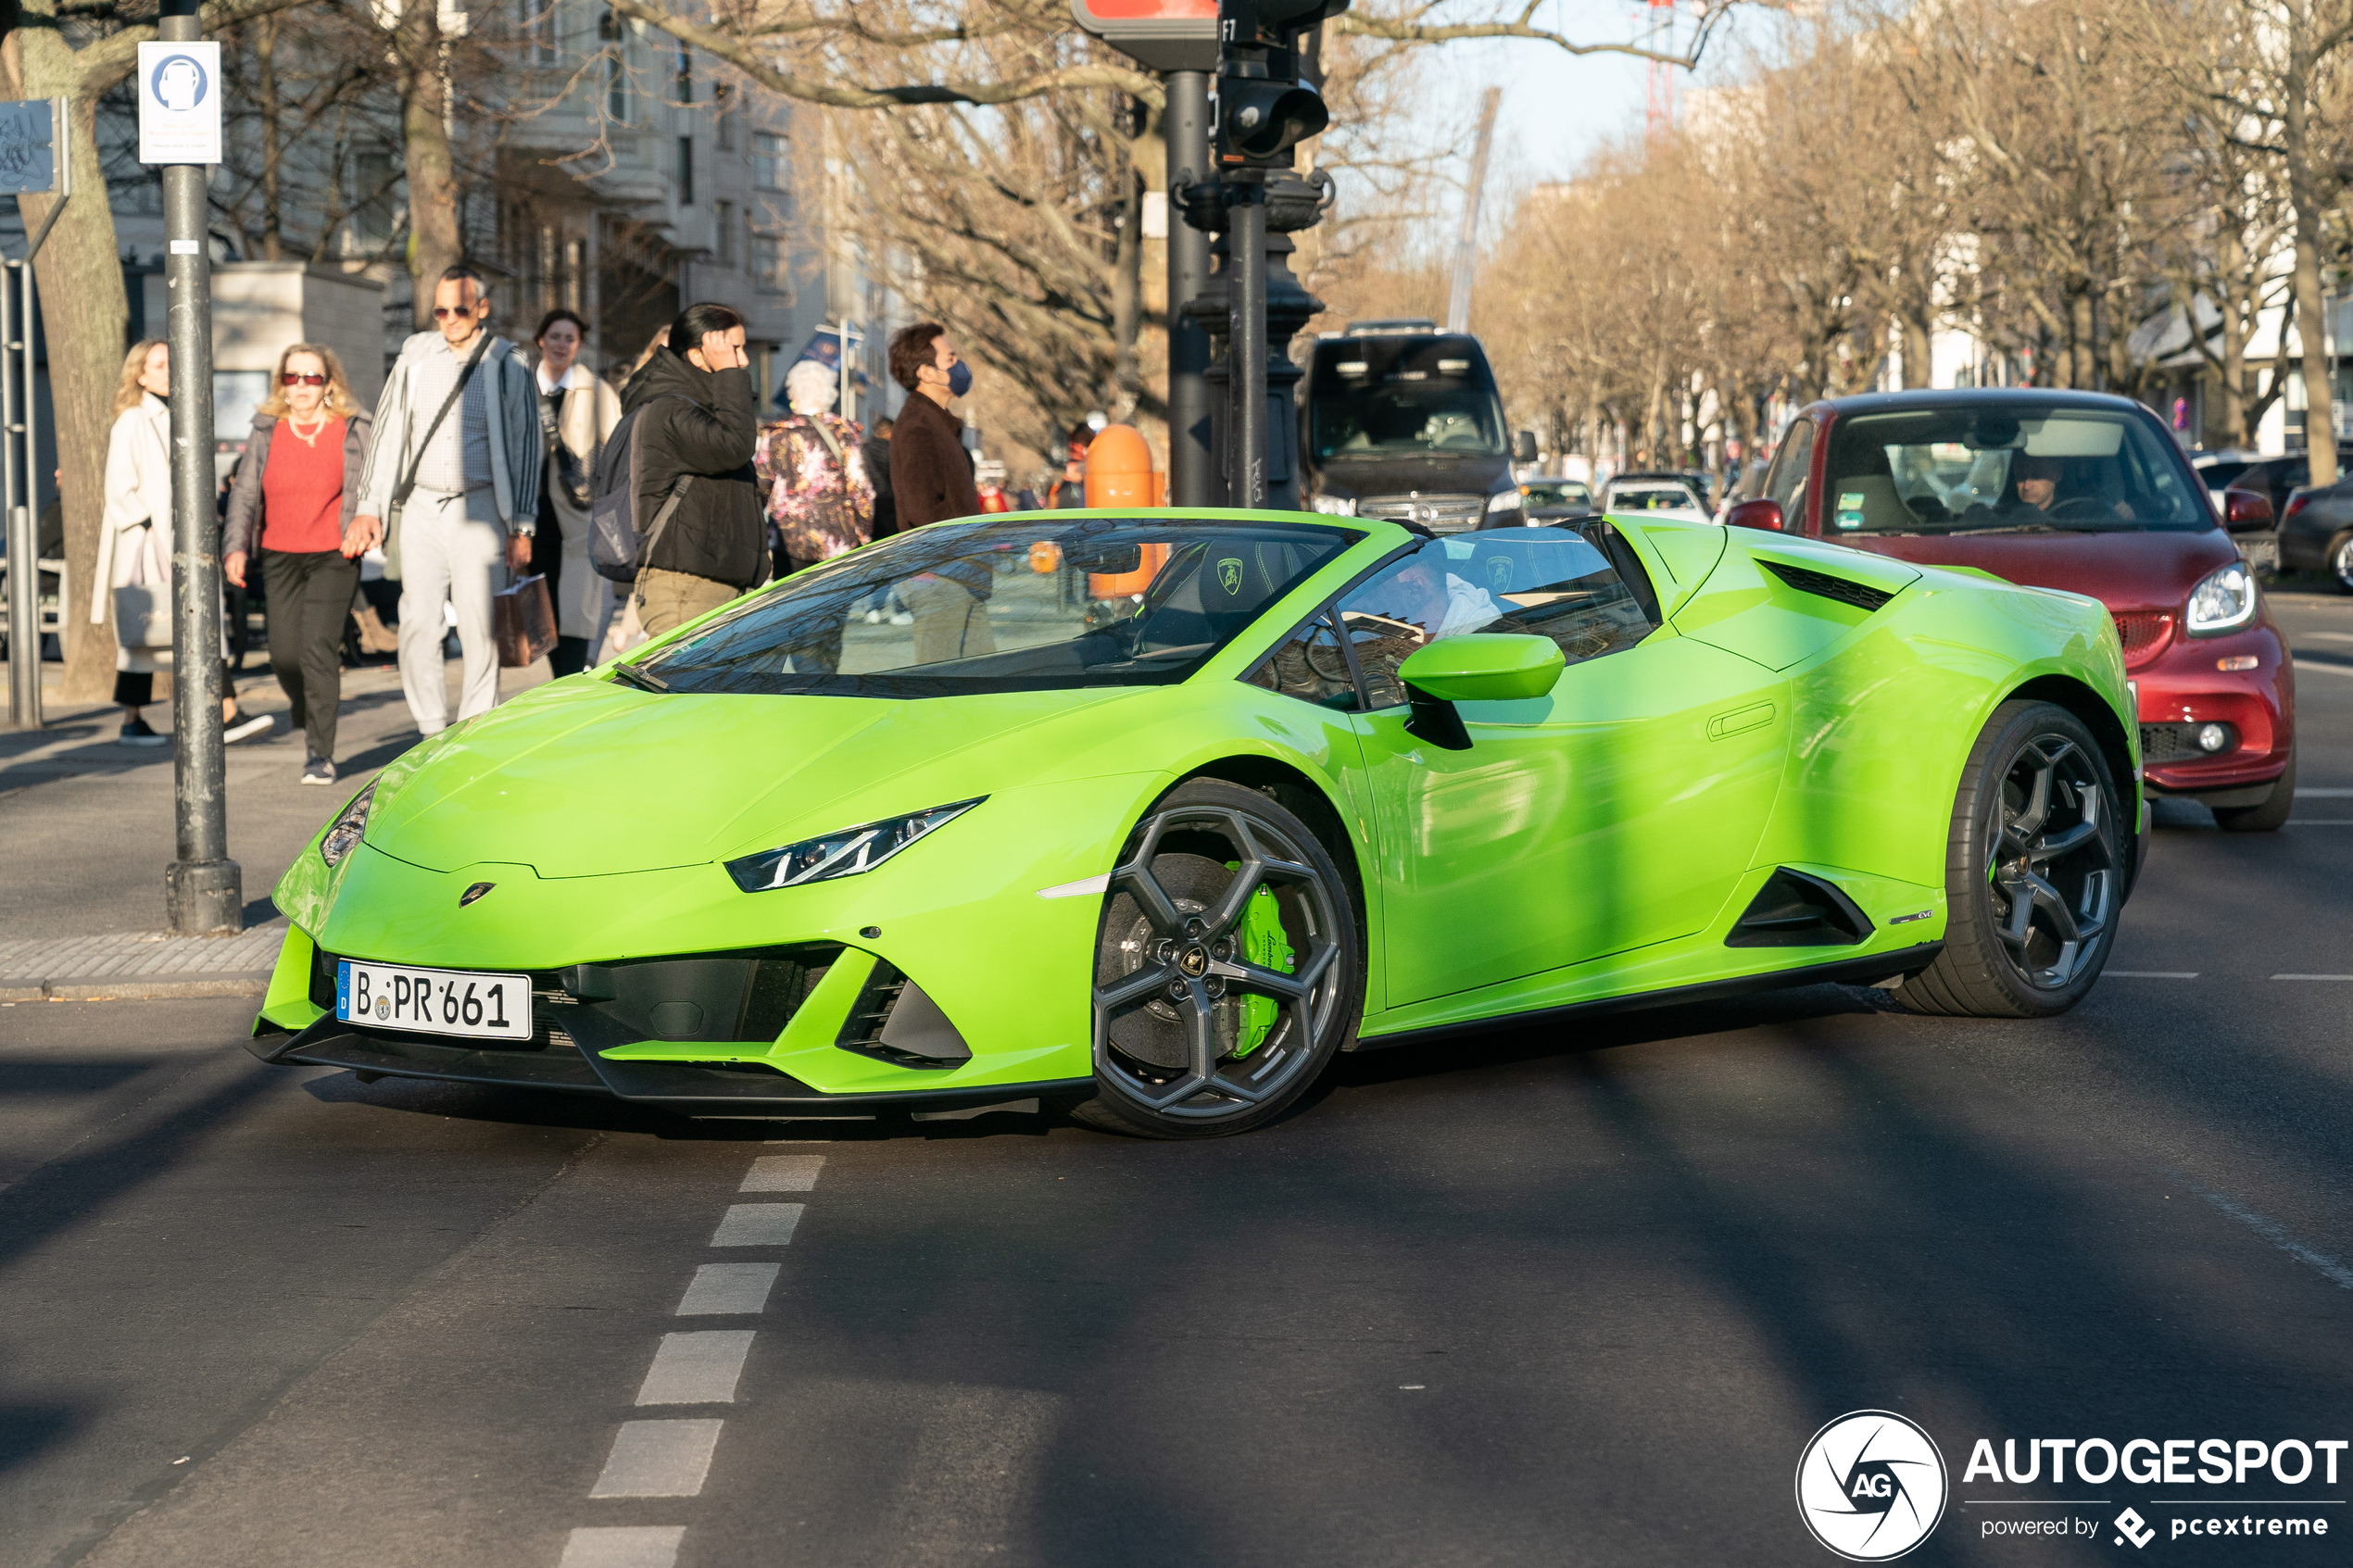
{"x": 1226, "y": 967}
{"x": 2034, "y": 871}
{"x": 2341, "y": 562}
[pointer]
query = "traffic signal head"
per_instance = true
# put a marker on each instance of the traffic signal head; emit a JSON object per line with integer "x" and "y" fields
{"x": 1260, "y": 122}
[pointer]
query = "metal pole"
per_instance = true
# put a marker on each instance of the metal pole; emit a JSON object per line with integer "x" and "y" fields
{"x": 203, "y": 888}
{"x": 1246, "y": 306}
{"x": 1458, "y": 297}
{"x": 24, "y": 546}
{"x": 1192, "y": 472}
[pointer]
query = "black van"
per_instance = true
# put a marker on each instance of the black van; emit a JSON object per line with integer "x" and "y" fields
{"x": 1402, "y": 420}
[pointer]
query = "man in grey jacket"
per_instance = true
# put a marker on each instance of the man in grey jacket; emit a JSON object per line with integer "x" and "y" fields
{"x": 474, "y": 504}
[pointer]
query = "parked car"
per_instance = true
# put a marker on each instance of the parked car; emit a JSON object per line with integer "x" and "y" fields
{"x": 1673, "y": 494}
{"x": 1552, "y": 490}
{"x": 2274, "y": 477}
{"x": 2316, "y": 531}
{"x": 2085, "y": 492}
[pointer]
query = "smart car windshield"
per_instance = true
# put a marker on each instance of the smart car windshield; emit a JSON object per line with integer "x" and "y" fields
{"x": 1036, "y": 605}
{"x": 1996, "y": 467}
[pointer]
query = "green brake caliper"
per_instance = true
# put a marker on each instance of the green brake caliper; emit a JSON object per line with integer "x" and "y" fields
{"x": 1263, "y": 944}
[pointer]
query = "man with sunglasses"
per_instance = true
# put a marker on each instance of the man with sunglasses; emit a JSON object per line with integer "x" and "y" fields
{"x": 454, "y": 468}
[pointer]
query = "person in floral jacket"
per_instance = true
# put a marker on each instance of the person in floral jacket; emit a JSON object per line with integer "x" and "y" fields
{"x": 820, "y": 501}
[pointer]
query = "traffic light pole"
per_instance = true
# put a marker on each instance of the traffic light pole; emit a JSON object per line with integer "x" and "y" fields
{"x": 1246, "y": 307}
{"x": 203, "y": 888}
{"x": 1192, "y": 464}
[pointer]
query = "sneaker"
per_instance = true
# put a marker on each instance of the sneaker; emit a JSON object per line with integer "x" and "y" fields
{"x": 317, "y": 770}
{"x": 136, "y": 732}
{"x": 873, "y": 618}
{"x": 237, "y": 726}
{"x": 902, "y": 618}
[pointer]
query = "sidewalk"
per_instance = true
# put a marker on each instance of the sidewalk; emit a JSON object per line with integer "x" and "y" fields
{"x": 86, "y": 831}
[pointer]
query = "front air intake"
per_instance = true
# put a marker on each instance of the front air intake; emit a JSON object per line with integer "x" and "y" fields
{"x": 893, "y": 1020}
{"x": 1794, "y": 909}
{"x": 1823, "y": 585}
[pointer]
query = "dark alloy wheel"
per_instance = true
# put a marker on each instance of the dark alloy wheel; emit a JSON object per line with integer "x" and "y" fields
{"x": 1226, "y": 968}
{"x": 2034, "y": 876}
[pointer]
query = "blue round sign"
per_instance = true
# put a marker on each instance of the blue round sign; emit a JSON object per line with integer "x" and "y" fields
{"x": 179, "y": 82}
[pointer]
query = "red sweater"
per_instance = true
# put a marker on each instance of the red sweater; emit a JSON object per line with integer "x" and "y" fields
{"x": 302, "y": 490}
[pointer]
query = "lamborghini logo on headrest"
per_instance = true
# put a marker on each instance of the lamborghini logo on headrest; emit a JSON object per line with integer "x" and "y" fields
{"x": 1499, "y": 572}
{"x": 1230, "y": 574}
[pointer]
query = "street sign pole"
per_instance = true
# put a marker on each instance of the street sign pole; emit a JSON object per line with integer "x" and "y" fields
{"x": 1191, "y": 464}
{"x": 33, "y": 138}
{"x": 203, "y": 888}
{"x": 1246, "y": 331}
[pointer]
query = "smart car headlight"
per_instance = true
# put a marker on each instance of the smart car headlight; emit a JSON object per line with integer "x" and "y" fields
{"x": 2223, "y": 601}
{"x": 343, "y": 834}
{"x": 1505, "y": 501}
{"x": 841, "y": 854}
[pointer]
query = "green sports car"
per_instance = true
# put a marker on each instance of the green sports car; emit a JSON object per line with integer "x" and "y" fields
{"x": 1152, "y": 814}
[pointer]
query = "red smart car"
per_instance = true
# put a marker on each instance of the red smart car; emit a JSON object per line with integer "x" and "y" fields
{"x": 2086, "y": 493}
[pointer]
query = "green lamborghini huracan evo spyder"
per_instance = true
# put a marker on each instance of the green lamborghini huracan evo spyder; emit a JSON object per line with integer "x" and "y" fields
{"x": 1152, "y": 814}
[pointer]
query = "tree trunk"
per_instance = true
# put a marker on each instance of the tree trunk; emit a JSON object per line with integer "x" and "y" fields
{"x": 77, "y": 279}
{"x": 2320, "y": 414}
{"x": 1918, "y": 355}
{"x": 266, "y": 84}
{"x": 434, "y": 244}
{"x": 1126, "y": 299}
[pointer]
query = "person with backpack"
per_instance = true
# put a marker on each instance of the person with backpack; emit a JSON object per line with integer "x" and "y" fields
{"x": 813, "y": 470}
{"x": 451, "y": 491}
{"x": 684, "y": 451}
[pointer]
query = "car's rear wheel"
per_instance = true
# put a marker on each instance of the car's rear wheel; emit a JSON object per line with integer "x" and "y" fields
{"x": 2034, "y": 871}
{"x": 2271, "y": 816}
{"x": 1226, "y": 968}
{"x": 2341, "y": 561}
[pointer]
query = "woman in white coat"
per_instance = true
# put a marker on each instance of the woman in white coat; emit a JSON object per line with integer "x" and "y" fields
{"x": 134, "y": 544}
{"x": 576, "y": 412}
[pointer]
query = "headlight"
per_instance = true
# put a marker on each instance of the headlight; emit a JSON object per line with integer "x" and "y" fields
{"x": 840, "y": 854}
{"x": 343, "y": 834}
{"x": 1333, "y": 505}
{"x": 2223, "y": 602}
{"x": 1505, "y": 501}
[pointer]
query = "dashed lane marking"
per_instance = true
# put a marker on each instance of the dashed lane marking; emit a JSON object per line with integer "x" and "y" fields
{"x": 728, "y": 1289}
{"x": 758, "y": 1224}
{"x": 658, "y": 1459}
{"x": 2148, "y": 974}
{"x": 2324, "y": 795}
{"x": 2312, "y": 977}
{"x": 782, "y": 1173}
{"x": 2304, "y": 664}
{"x": 623, "y": 1546}
{"x": 2274, "y": 1232}
{"x": 698, "y": 1368}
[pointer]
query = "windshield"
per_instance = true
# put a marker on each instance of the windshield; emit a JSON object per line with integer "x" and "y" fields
{"x": 1033, "y": 605}
{"x": 1983, "y": 467}
{"x": 1408, "y": 421}
{"x": 1556, "y": 493}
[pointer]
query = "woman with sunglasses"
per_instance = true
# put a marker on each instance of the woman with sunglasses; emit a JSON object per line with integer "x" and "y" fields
{"x": 295, "y": 491}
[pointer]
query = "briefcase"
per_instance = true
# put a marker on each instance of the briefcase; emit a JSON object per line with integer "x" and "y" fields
{"x": 525, "y": 620}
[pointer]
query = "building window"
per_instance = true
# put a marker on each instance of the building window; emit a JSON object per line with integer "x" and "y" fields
{"x": 686, "y": 75}
{"x": 614, "y": 31}
{"x": 372, "y": 176}
{"x": 685, "y": 171}
{"x": 722, "y": 224}
{"x": 542, "y": 24}
{"x": 768, "y": 261}
{"x": 723, "y": 116}
{"x": 768, "y": 152}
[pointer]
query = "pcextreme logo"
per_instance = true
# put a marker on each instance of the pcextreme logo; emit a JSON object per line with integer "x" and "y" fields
{"x": 1871, "y": 1486}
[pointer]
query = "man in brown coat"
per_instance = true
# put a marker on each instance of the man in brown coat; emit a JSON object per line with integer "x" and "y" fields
{"x": 932, "y": 481}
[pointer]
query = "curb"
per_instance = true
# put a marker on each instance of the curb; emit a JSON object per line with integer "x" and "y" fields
{"x": 157, "y": 990}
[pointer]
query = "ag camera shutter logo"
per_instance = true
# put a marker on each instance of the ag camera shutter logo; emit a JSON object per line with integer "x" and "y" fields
{"x": 1871, "y": 1486}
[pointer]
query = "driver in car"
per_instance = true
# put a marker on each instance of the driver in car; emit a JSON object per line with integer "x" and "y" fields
{"x": 2037, "y": 480}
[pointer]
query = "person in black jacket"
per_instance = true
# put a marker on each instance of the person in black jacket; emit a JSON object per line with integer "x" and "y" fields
{"x": 700, "y": 423}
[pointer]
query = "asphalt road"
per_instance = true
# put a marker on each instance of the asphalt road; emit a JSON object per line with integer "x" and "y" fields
{"x": 1573, "y": 1296}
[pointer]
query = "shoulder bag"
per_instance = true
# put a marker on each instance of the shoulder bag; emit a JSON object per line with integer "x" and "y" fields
{"x": 409, "y": 481}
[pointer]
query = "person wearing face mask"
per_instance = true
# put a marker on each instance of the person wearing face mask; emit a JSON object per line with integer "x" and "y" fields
{"x": 295, "y": 491}
{"x": 700, "y": 427}
{"x": 812, "y": 471}
{"x": 576, "y": 412}
{"x": 932, "y": 481}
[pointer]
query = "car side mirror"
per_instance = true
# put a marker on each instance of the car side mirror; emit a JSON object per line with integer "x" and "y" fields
{"x": 1477, "y": 667}
{"x": 1524, "y": 449}
{"x": 2246, "y": 510}
{"x": 1759, "y": 513}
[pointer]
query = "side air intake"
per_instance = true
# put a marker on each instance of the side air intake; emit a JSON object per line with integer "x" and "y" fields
{"x": 1824, "y": 586}
{"x": 894, "y": 1022}
{"x": 1796, "y": 910}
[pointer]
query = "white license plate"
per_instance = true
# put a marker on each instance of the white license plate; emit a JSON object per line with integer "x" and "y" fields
{"x": 433, "y": 1001}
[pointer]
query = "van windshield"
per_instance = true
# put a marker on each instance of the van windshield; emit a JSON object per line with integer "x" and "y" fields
{"x": 1991, "y": 468}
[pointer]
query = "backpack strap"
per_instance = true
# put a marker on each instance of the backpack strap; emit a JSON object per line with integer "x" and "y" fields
{"x": 678, "y": 488}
